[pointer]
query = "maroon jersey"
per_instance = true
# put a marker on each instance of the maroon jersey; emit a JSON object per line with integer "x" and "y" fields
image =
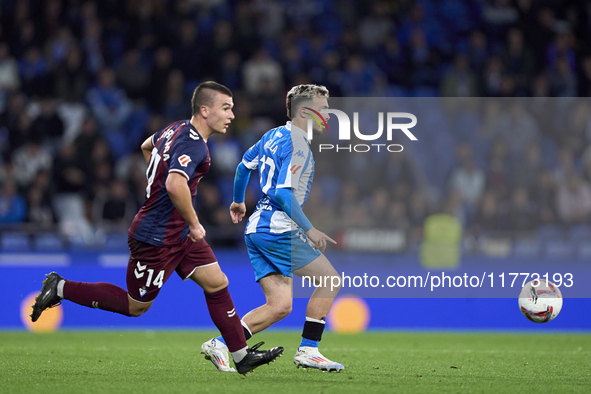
{"x": 177, "y": 148}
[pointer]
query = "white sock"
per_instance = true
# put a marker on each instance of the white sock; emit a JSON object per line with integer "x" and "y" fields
{"x": 315, "y": 320}
{"x": 239, "y": 355}
{"x": 60, "y": 288}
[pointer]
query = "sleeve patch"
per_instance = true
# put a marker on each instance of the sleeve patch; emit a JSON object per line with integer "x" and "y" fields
{"x": 184, "y": 160}
{"x": 251, "y": 165}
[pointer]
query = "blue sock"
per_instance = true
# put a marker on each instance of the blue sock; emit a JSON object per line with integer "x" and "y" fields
{"x": 221, "y": 340}
{"x": 309, "y": 342}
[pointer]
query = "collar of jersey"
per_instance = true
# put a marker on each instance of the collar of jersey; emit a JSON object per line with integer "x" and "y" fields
{"x": 194, "y": 128}
{"x": 296, "y": 129}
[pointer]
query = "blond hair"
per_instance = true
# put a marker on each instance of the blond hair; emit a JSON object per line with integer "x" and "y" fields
{"x": 301, "y": 94}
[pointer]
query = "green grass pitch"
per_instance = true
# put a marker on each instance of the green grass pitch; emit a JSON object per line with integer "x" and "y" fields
{"x": 377, "y": 362}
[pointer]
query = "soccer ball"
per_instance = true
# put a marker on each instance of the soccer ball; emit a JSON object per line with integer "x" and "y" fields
{"x": 540, "y": 301}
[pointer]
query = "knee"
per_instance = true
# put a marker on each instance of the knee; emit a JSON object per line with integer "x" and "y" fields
{"x": 222, "y": 282}
{"x": 137, "y": 311}
{"x": 216, "y": 283}
{"x": 281, "y": 311}
{"x": 211, "y": 278}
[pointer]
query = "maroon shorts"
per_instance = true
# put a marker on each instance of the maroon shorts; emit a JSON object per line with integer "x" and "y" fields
{"x": 150, "y": 266}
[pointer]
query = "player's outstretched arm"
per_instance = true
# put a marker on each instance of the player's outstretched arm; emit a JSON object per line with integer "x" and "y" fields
{"x": 180, "y": 195}
{"x": 289, "y": 204}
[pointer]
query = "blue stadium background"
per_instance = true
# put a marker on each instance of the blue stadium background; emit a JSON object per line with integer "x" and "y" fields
{"x": 82, "y": 83}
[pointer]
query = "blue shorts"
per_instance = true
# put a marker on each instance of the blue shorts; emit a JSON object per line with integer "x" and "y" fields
{"x": 281, "y": 253}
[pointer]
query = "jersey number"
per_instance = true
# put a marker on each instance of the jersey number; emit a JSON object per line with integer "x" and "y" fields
{"x": 267, "y": 161}
{"x": 158, "y": 280}
{"x": 139, "y": 273}
{"x": 151, "y": 171}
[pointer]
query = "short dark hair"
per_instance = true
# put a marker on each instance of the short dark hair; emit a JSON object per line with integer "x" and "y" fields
{"x": 301, "y": 94}
{"x": 203, "y": 95}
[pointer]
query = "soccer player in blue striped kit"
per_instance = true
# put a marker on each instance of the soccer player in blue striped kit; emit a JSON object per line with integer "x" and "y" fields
{"x": 279, "y": 237}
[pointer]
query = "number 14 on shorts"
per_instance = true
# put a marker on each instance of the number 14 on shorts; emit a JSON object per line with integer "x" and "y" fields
{"x": 140, "y": 272}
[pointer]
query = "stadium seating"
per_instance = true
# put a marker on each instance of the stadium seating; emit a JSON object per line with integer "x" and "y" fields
{"x": 48, "y": 242}
{"x": 15, "y": 241}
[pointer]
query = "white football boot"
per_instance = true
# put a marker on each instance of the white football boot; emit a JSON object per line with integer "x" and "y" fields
{"x": 217, "y": 352}
{"x": 310, "y": 357}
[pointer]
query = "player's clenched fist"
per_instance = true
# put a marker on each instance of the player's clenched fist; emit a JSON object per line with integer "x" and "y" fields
{"x": 196, "y": 233}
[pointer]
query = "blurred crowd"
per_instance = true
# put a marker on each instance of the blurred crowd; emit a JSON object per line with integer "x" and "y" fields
{"x": 510, "y": 167}
{"x": 84, "y": 82}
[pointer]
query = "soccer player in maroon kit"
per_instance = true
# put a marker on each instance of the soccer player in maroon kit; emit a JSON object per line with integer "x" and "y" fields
{"x": 166, "y": 235}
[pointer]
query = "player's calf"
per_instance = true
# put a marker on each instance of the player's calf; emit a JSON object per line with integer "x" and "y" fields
{"x": 100, "y": 295}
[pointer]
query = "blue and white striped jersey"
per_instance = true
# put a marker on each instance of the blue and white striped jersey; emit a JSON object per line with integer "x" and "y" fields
{"x": 284, "y": 160}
